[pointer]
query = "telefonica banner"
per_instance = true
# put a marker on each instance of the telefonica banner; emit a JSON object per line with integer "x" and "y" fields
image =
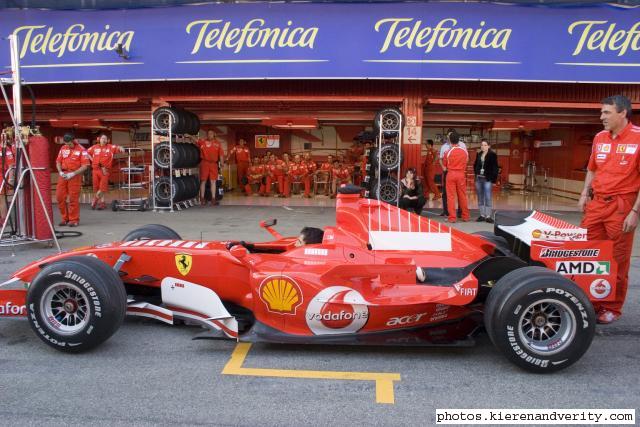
{"x": 444, "y": 41}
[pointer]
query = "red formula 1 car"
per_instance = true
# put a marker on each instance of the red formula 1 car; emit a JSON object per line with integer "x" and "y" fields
{"x": 381, "y": 276}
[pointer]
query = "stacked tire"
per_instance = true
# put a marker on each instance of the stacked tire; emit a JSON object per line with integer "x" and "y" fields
{"x": 167, "y": 191}
{"x": 176, "y": 120}
{"x": 176, "y": 155}
{"x": 386, "y": 158}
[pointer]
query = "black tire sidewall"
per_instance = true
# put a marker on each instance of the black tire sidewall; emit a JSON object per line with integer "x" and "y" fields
{"x": 507, "y": 313}
{"x": 103, "y": 291}
{"x": 152, "y": 232}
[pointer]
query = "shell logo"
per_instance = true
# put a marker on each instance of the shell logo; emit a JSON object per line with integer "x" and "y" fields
{"x": 536, "y": 234}
{"x": 280, "y": 294}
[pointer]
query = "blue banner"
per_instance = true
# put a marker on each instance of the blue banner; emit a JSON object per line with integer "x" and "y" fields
{"x": 444, "y": 41}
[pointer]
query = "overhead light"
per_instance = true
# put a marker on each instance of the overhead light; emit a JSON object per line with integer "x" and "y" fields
{"x": 291, "y": 123}
{"x": 523, "y": 125}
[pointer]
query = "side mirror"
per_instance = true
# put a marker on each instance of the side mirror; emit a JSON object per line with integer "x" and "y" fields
{"x": 268, "y": 223}
{"x": 238, "y": 251}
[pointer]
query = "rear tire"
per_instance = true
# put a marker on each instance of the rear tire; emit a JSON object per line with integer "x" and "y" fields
{"x": 152, "y": 232}
{"x": 540, "y": 320}
{"x": 76, "y": 304}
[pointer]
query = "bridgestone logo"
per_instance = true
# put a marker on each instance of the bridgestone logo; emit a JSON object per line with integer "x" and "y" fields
{"x": 569, "y": 253}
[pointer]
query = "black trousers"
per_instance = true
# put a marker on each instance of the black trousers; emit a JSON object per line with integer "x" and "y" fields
{"x": 413, "y": 204}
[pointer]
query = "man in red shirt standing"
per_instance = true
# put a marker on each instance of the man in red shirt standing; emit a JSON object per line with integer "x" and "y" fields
{"x": 429, "y": 172}
{"x": 613, "y": 176}
{"x": 7, "y": 160}
{"x": 240, "y": 154}
{"x": 71, "y": 163}
{"x": 211, "y": 153}
{"x": 455, "y": 164}
{"x": 102, "y": 160}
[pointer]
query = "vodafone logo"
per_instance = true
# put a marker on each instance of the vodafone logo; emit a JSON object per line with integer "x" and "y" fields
{"x": 9, "y": 309}
{"x": 600, "y": 288}
{"x": 337, "y": 310}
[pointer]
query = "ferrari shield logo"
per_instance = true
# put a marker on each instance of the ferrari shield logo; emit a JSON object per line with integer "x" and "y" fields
{"x": 184, "y": 263}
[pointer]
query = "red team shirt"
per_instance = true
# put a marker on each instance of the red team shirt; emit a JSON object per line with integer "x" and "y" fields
{"x": 102, "y": 156}
{"x": 456, "y": 159}
{"x": 296, "y": 169}
{"x": 73, "y": 158}
{"x": 212, "y": 153}
{"x": 241, "y": 153}
{"x": 616, "y": 162}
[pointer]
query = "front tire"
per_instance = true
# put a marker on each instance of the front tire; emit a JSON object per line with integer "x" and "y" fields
{"x": 76, "y": 304}
{"x": 540, "y": 320}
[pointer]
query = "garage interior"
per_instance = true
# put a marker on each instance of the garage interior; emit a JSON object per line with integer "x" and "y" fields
{"x": 324, "y": 117}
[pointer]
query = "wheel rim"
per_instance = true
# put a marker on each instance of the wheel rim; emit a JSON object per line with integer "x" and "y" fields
{"x": 388, "y": 192}
{"x": 65, "y": 308}
{"x": 163, "y": 121}
{"x": 163, "y": 191}
{"x": 163, "y": 157}
{"x": 547, "y": 327}
{"x": 389, "y": 121}
{"x": 389, "y": 158}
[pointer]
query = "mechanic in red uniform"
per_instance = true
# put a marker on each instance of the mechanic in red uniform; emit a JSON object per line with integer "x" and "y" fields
{"x": 613, "y": 176}
{"x": 255, "y": 175}
{"x": 211, "y": 153}
{"x": 71, "y": 163}
{"x": 323, "y": 174}
{"x": 274, "y": 173}
{"x": 7, "y": 161}
{"x": 341, "y": 175}
{"x": 455, "y": 164}
{"x": 102, "y": 160}
{"x": 429, "y": 172}
{"x": 284, "y": 179}
{"x": 241, "y": 156}
{"x": 299, "y": 173}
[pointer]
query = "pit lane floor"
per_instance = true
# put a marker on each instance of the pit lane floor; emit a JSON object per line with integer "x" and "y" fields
{"x": 151, "y": 374}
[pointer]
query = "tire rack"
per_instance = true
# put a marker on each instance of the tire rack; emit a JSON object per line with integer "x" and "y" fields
{"x": 172, "y": 172}
{"x": 126, "y": 185}
{"x": 378, "y": 172}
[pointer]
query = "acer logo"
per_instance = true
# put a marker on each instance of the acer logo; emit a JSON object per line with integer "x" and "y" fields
{"x": 405, "y": 320}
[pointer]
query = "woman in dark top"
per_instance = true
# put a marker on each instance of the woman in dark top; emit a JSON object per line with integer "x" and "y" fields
{"x": 411, "y": 193}
{"x": 486, "y": 171}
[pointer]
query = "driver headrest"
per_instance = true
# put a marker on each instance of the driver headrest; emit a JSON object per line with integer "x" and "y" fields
{"x": 349, "y": 189}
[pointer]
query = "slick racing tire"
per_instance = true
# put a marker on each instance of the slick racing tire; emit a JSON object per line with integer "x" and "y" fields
{"x": 168, "y": 118}
{"x": 386, "y": 190}
{"x": 178, "y": 154}
{"x": 540, "y": 320}
{"x": 164, "y": 192}
{"x": 152, "y": 232}
{"x": 162, "y": 155}
{"x": 390, "y": 157}
{"x": 389, "y": 120}
{"x": 76, "y": 304}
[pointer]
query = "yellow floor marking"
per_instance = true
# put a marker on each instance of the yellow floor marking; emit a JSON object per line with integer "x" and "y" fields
{"x": 384, "y": 381}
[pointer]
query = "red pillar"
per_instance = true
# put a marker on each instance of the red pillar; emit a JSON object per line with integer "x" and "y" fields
{"x": 412, "y": 106}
